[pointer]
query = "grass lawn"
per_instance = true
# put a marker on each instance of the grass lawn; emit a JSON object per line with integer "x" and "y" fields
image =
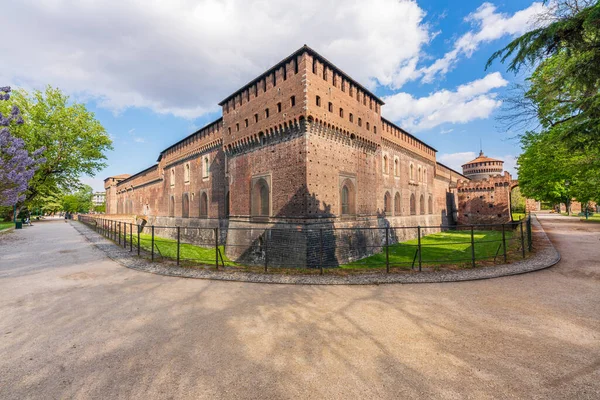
{"x": 5, "y": 225}
{"x": 452, "y": 247}
{"x": 187, "y": 252}
{"x": 517, "y": 216}
{"x": 593, "y": 218}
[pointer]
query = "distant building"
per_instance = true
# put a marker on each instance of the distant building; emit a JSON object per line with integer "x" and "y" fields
{"x": 483, "y": 167}
{"x": 98, "y": 198}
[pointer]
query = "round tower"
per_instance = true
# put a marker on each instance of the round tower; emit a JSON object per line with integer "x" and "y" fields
{"x": 482, "y": 167}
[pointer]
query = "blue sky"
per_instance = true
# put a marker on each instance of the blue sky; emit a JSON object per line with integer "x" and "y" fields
{"x": 154, "y": 72}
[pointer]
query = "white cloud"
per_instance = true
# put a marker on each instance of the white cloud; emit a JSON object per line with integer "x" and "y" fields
{"x": 445, "y": 131}
{"x": 490, "y": 25}
{"x": 456, "y": 160}
{"x": 131, "y": 131}
{"x": 182, "y": 57}
{"x": 139, "y": 140}
{"x": 469, "y": 102}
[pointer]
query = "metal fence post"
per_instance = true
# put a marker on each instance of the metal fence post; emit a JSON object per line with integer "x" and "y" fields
{"x": 138, "y": 239}
{"x": 178, "y": 242}
{"x": 522, "y": 240}
{"x": 130, "y": 237}
{"x": 321, "y": 250}
{"x": 504, "y": 242}
{"x": 419, "y": 247}
{"x": 216, "y": 230}
{"x": 119, "y": 234}
{"x": 387, "y": 249}
{"x": 472, "y": 247}
{"x": 124, "y": 235}
{"x": 152, "y": 242}
{"x": 529, "y": 235}
{"x": 266, "y": 250}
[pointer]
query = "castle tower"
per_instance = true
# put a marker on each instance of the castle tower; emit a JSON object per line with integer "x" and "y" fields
{"x": 482, "y": 167}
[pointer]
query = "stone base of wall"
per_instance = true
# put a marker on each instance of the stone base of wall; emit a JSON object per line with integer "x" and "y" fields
{"x": 327, "y": 242}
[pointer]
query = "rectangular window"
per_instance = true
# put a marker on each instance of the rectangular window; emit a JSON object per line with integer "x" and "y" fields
{"x": 247, "y": 95}
{"x": 343, "y": 85}
{"x": 237, "y": 127}
{"x": 255, "y": 118}
{"x": 295, "y": 65}
{"x": 334, "y": 79}
{"x": 264, "y": 85}
{"x": 351, "y": 117}
{"x": 374, "y": 129}
{"x": 324, "y": 72}
{"x": 341, "y": 112}
{"x": 318, "y": 101}
{"x": 229, "y": 130}
{"x": 266, "y": 113}
{"x": 285, "y": 72}
{"x": 293, "y": 101}
{"x": 368, "y": 126}
{"x": 246, "y": 122}
{"x": 359, "y": 121}
{"x": 314, "y": 65}
{"x": 256, "y": 90}
{"x": 330, "y": 107}
{"x": 278, "y": 107}
{"x": 274, "y": 78}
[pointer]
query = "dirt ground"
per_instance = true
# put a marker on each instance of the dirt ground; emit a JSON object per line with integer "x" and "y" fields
{"x": 74, "y": 324}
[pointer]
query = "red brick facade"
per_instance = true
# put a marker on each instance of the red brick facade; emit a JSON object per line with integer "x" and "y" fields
{"x": 301, "y": 144}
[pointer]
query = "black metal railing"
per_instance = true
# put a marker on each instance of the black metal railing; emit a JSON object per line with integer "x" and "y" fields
{"x": 323, "y": 248}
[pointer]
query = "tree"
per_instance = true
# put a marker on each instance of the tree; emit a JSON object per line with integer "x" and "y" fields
{"x": 561, "y": 157}
{"x": 79, "y": 201}
{"x": 565, "y": 83}
{"x": 74, "y": 141}
{"x": 17, "y": 167}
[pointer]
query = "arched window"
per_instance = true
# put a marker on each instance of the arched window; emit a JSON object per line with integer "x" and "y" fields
{"x": 419, "y": 174}
{"x": 205, "y": 167}
{"x": 397, "y": 204}
{"x": 422, "y": 205}
{"x": 412, "y": 172}
{"x": 430, "y": 205}
{"x": 186, "y": 174}
{"x": 413, "y": 205}
{"x": 203, "y": 205}
{"x": 385, "y": 164}
{"x": 387, "y": 203}
{"x": 172, "y": 177}
{"x": 425, "y": 175}
{"x": 172, "y": 206}
{"x": 261, "y": 202}
{"x": 347, "y": 198}
{"x": 185, "y": 206}
{"x": 396, "y": 167}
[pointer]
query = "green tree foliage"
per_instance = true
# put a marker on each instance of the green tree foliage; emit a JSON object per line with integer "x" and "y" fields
{"x": 561, "y": 160}
{"x": 517, "y": 201}
{"x": 74, "y": 141}
{"x": 79, "y": 201}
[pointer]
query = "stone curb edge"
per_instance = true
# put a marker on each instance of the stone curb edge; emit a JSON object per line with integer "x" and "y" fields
{"x": 546, "y": 256}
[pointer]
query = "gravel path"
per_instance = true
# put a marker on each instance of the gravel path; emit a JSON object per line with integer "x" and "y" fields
{"x": 75, "y": 324}
{"x": 545, "y": 256}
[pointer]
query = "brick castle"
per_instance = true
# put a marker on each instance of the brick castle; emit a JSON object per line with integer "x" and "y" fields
{"x": 304, "y": 146}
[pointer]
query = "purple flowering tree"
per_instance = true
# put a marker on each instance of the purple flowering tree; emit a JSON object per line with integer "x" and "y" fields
{"x": 17, "y": 166}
